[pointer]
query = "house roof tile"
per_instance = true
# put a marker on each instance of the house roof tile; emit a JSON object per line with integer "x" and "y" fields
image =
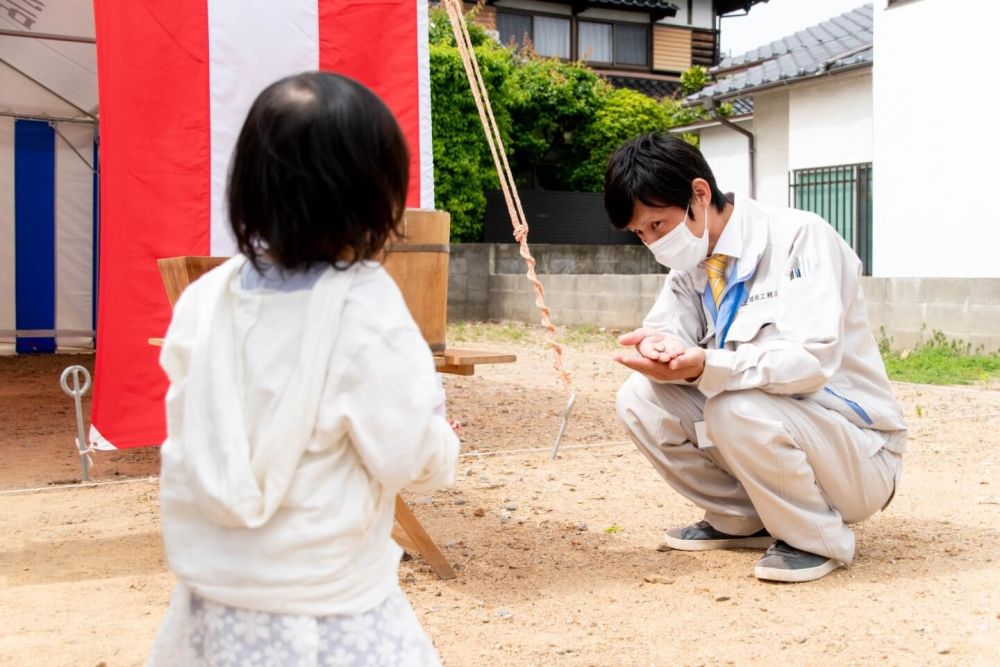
{"x": 838, "y": 43}
{"x": 652, "y": 87}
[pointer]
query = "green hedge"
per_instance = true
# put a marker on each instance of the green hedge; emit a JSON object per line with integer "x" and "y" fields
{"x": 549, "y": 112}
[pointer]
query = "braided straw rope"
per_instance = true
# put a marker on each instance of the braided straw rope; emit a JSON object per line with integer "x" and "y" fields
{"x": 507, "y": 185}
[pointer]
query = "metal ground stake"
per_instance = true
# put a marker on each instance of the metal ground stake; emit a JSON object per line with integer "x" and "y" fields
{"x": 77, "y": 392}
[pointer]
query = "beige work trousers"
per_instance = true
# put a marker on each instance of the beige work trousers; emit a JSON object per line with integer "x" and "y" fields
{"x": 752, "y": 460}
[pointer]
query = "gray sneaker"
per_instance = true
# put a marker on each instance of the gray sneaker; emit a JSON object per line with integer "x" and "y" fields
{"x": 702, "y": 537}
{"x": 783, "y": 562}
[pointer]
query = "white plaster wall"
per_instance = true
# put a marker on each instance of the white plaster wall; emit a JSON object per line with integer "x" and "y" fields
{"x": 770, "y": 125}
{"x": 615, "y": 15}
{"x": 935, "y": 172}
{"x": 726, "y": 152}
{"x": 680, "y": 19}
{"x": 536, "y": 6}
{"x": 830, "y": 121}
{"x": 702, "y": 15}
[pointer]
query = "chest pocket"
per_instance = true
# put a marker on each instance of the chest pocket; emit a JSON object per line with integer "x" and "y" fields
{"x": 753, "y": 322}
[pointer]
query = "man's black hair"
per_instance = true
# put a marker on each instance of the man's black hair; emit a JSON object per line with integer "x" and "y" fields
{"x": 657, "y": 170}
{"x": 319, "y": 174}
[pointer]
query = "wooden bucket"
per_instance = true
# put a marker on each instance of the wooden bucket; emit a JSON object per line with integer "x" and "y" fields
{"x": 179, "y": 272}
{"x": 418, "y": 263}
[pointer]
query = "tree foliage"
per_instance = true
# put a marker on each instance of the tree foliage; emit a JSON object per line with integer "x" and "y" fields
{"x": 463, "y": 166}
{"x": 559, "y": 122}
{"x": 622, "y": 115}
{"x": 551, "y": 102}
{"x": 694, "y": 79}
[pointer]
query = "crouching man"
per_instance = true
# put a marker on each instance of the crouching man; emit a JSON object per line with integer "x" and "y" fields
{"x": 760, "y": 394}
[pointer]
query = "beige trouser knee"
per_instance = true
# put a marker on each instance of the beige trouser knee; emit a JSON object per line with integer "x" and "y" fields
{"x": 799, "y": 469}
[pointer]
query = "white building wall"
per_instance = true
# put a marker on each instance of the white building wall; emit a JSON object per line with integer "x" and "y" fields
{"x": 614, "y": 15}
{"x": 726, "y": 152}
{"x": 830, "y": 121}
{"x": 702, "y": 15}
{"x": 536, "y": 6}
{"x": 770, "y": 127}
{"x": 935, "y": 172}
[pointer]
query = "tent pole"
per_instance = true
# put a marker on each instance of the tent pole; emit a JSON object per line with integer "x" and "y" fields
{"x": 47, "y": 35}
{"x": 47, "y": 119}
{"x": 42, "y": 85}
{"x": 72, "y": 147}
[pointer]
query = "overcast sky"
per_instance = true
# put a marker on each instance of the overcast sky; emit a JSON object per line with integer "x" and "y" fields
{"x": 775, "y": 19}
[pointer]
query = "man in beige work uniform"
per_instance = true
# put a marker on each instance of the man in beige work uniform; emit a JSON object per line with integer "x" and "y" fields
{"x": 760, "y": 393}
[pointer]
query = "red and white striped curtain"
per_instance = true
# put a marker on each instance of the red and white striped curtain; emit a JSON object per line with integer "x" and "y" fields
{"x": 176, "y": 79}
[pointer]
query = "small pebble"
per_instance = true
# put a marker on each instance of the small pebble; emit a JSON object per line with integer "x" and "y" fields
{"x": 460, "y": 501}
{"x": 943, "y": 649}
{"x": 479, "y": 511}
{"x": 581, "y": 526}
{"x": 658, "y": 579}
{"x": 723, "y": 598}
{"x": 503, "y": 612}
{"x": 510, "y": 506}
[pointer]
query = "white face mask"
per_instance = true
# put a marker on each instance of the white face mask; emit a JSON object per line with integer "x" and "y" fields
{"x": 680, "y": 249}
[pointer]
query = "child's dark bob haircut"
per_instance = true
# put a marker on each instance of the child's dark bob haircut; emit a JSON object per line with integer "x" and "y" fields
{"x": 319, "y": 174}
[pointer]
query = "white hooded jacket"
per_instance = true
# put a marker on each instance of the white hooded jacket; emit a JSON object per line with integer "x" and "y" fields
{"x": 293, "y": 420}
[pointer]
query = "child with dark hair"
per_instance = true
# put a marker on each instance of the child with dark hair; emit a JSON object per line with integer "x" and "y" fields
{"x": 302, "y": 399}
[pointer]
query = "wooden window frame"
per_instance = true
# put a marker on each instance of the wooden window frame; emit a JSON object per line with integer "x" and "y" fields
{"x": 576, "y": 34}
{"x": 574, "y": 38}
{"x": 648, "y": 67}
{"x": 532, "y": 15}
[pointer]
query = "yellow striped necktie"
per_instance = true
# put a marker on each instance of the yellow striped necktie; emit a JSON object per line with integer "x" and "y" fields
{"x": 715, "y": 267}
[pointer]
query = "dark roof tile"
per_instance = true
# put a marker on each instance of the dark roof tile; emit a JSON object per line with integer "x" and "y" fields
{"x": 643, "y": 4}
{"x": 653, "y": 87}
{"x": 829, "y": 45}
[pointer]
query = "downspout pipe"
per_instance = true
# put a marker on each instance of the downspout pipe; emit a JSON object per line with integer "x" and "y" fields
{"x": 751, "y": 145}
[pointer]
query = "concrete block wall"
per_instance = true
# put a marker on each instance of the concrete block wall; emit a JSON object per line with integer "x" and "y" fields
{"x": 470, "y": 266}
{"x": 614, "y": 301}
{"x": 487, "y": 282}
{"x": 911, "y": 309}
{"x": 578, "y": 259}
{"x": 609, "y": 286}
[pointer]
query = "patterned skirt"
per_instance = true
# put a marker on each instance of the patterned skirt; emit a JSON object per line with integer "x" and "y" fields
{"x": 200, "y": 633}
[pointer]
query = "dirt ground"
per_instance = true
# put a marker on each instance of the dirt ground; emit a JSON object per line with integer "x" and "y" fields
{"x": 562, "y": 567}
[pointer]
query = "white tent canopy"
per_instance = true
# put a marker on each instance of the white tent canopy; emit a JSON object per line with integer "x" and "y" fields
{"x": 50, "y": 78}
{"x": 48, "y": 113}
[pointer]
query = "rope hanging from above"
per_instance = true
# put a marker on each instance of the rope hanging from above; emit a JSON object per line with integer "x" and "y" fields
{"x": 507, "y": 185}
